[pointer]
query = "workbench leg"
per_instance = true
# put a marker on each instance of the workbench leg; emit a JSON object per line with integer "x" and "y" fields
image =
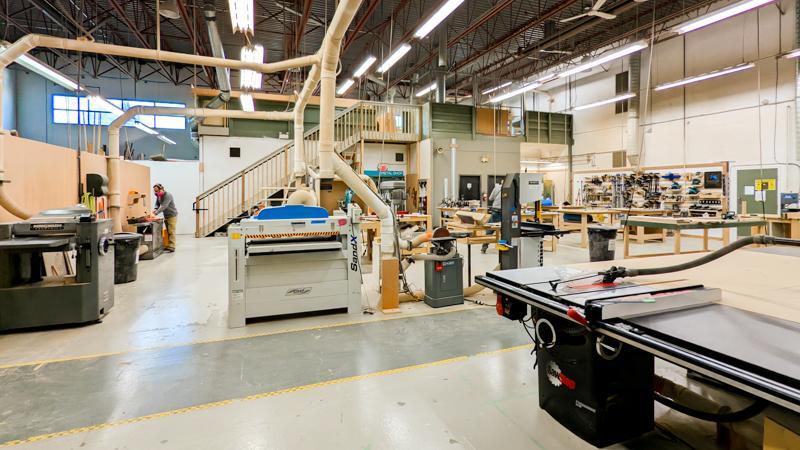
{"x": 726, "y": 236}
{"x": 794, "y": 229}
{"x": 677, "y": 242}
{"x": 705, "y": 239}
{"x": 584, "y": 230}
{"x": 626, "y": 242}
{"x": 640, "y": 235}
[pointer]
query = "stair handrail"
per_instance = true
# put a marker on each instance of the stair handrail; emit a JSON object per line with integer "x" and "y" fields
{"x": 266, "y": 158}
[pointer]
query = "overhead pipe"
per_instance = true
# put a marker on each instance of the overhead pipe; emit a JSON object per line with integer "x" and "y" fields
{"x": 299, "y": 165}
{"x": 31, "y": 41}
{"x": 330, "y": 163}
{"x": 328, "y": 66}
{"x": 113, "y": 141}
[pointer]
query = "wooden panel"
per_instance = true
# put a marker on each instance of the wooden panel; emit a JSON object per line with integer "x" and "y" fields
{"x": 45, "y": 176}
{"x": 491, "y": 121}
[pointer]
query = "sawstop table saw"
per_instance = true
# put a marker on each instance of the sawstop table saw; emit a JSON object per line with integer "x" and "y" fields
{"x": 597, "y": 334}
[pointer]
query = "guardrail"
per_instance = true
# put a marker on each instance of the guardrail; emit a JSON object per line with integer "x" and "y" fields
{"x": 245, "y": 189}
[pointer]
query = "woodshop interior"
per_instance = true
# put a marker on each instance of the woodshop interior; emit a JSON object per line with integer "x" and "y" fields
{"x": 472, "y": 224}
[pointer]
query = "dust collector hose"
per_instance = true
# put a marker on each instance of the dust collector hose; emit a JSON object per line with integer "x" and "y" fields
{"x": 620, "y": 272}
{"x": 736, "y": 416}
{"x": 432, "y": 257}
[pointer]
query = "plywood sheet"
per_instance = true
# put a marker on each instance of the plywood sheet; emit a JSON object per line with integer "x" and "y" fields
{"x": 46, "y": 176}
{"x": 753, "y": 281}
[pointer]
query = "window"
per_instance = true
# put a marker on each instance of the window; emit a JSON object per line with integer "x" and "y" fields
{"x": 74, "y": 110}
{"x": 235, "y": 152}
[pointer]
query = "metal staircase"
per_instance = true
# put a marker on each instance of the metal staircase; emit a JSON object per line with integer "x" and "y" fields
{"x": 269, "y": 179}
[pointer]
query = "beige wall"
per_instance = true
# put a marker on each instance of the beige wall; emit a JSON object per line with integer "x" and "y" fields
{"x": 45, "y": 176}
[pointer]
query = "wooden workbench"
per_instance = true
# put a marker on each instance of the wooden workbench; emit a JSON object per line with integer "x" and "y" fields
{"x": 583, "y": 226}
{"x": 642, "y": 234}
{"x": 371, "y": 225}
{"x": 449, "y": 212}
{"x": 787, "y": 226}
{"x": 750, "y": 280}
{"x": 678, "y": 225}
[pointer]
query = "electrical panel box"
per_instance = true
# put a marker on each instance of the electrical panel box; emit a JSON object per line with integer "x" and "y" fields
{"x": 531, "y": 187}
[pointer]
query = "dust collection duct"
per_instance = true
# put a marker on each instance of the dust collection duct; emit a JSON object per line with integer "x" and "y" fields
{"x": 223, "y": 74}
{"x": 327, "y": 59}
{"x": 169, "y": 9}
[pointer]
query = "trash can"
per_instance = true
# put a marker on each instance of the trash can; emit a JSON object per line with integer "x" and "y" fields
{"x": 602, "y": 242}
{"x": 126, "y": 257}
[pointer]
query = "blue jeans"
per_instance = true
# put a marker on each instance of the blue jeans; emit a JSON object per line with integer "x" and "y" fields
{"x": 497, "y": 216}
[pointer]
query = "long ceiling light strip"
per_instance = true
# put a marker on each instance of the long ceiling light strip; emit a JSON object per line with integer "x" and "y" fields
{"x": 605, "y": 102}
{"x": 602, "y": 59}
{"x": 250, "y": 79}
{"x": 242, "y": 16}
{"x": 394, "y": 57}
{"x": 496, "y": 88}
{"x": 362, "y": 69}
{"x": 427, "y": 89}
{"x": 705, "y": 76}
{"x": 791, "y": 54}
{"x": 445, "y": 10}
{"x": 248, "y": 105}
{"x": 515, "y": 92}
{"x": 720, "y": 14}
{"x": 344, "y": 87}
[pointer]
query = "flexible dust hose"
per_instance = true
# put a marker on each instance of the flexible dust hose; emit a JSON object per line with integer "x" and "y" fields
{"x": 620, "y": 272}
{"x": 469, "y": 291}
{"x": 433, "y": 257}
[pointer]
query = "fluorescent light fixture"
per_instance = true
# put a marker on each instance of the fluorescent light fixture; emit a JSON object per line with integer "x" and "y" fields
{"x": 602, "y": 59}
{"x": 166, "y": 139}
{"x": 605, "y": 102}
{"x": 427, "y": 89}
{"x": 705, "y": 76}
{"x": 144, "y": 128}
{"x": 362, "y": 69}
{"x": 242, "y": 15}
{"x": 394, "y": 57}
{"x": 106, "y": 105}
{"x": 720, "y": 14}
{"x": 250, "y": 79}
{"x": 791, "y": 54}
{"x": 489, "y": 91}
{"x": 437, "y": 17}
{"x": 537, "y": 161}
{"x": 344, "y": 87}
{"x": 518, "y": 91}
{"x": 247, "y": 102}
{"x": 34, "y": 65}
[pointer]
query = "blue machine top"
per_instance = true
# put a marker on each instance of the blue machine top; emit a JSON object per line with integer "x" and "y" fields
{"x": 292, "y": 212}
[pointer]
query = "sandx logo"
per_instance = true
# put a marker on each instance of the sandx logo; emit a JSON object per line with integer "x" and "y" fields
{"x": 354, "y": 247}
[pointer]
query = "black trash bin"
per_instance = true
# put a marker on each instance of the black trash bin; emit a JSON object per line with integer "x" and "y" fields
{"x": 602, "y": 242}
{"x": 126, "y": 257}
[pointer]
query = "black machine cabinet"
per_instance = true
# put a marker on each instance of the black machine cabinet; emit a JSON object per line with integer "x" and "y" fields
{"x": 603, "y": 399}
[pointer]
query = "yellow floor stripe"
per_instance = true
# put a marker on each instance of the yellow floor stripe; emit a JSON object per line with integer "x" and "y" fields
{"x": 175, "y": 412}
{"x": 233, "y": 338}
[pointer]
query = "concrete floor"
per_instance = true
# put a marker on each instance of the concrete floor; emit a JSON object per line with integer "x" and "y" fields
{"x": 163, "y": 370}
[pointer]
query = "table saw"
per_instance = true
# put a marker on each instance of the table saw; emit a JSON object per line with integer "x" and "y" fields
{"x": 596, "y": 340}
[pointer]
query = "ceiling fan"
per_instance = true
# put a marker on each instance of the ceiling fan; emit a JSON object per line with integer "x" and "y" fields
{"x": 594, "y": 11}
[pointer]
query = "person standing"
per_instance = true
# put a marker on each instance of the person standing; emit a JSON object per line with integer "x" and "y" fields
{"x": 495, "y": 207}
{"x": 165, "y": 204}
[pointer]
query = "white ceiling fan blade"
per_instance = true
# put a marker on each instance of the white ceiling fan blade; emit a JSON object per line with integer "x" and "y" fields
{"x": 598, "y": 5}
{"x": 603, "y": 15}
{"x": 570, "y": 19}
